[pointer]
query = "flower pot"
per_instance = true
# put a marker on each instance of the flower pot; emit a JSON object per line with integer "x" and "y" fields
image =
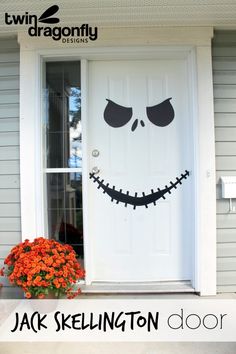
{"x": 46, "y": 305}
{"x": 50, "y": 296}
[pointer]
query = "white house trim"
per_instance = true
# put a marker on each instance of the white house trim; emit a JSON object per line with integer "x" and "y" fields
{"x": 199, "y": 52}
{"x": 206, "y": 193}
{"x": 27, "y": 143}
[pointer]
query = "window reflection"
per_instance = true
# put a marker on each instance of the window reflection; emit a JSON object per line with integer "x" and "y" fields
{"x": 65, "y": 208}
{"x": 64, "y": 150}
{"x": 63, "y": 115}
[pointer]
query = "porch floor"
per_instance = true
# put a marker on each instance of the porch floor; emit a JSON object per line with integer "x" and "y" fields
{"x": 16, "y": 293}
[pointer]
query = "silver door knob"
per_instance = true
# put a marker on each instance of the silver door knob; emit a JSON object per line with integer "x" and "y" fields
{"x": 95, "y": 153}
{"x": 95, "y": 170}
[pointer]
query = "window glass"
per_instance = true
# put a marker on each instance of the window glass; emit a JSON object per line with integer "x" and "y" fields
{"x": 65, "y": 208}
{"x": 64, "y": 151}
{"x": 63, "y": 115}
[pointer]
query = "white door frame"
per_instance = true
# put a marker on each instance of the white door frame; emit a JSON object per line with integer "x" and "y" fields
{"x": 33, "y": 219}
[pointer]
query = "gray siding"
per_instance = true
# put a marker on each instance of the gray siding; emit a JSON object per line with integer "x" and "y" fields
{"x": 224, "y": 70}
{"x": 9, "y": 147}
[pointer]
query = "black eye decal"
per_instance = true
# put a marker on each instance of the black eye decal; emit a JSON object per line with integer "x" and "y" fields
{"x": 115, "y": 115}
{"x": 161, "y": 114}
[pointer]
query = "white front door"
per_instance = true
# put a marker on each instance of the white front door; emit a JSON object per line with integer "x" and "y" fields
{"x": 140, "y": 202}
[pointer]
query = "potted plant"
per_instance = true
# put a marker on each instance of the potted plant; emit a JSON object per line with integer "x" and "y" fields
{"x": 42, "y": 268}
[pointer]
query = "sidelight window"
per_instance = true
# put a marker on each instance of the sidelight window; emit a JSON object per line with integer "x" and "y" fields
{"x": 63, "y": 153}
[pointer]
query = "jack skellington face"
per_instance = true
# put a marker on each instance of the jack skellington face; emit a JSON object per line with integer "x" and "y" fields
{"x": 117, "y": 116}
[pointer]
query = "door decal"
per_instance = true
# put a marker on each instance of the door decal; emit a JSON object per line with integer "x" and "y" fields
{"x": 119, "y": 196}
{"x": 161, "y": 114}
{"x": 117, "y": 116}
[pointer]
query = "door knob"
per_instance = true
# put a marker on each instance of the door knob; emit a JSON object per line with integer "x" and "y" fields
{"x": 95, "y": 170}
{"x": 95, "y": 153}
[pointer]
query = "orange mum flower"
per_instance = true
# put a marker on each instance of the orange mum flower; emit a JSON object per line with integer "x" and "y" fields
{"x": 42, "y": 264}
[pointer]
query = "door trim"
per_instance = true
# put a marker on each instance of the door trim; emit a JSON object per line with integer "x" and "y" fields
{"x": 199, "y": 59}
{"x": 138, "y": 288}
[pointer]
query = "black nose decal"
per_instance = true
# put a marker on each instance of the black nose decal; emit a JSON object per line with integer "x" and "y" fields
{"x": 134, "y": 125}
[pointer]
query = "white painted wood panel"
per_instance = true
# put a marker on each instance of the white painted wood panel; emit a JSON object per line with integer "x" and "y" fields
{"x": 9, "y": 167}
{"x": 225, "y": 134}
{"x": 9, "y": 82}
{"x": 9, "y": 196}
{"x": 225, "y": 105}
{"x": 224, "y": 37}
{"x": 224, "y": 64}
{"x": 226, "y": 221}
{"x": 227, "y": 163}
{"x": 225, "y": 91}
{"x": 9, "y": 147}
{"x": 208, "y": 191}
{"x": 226, "y": 250}
{"x": 226, "y": 288}
{"x": 226, "y": 264}
{"x": 226, "y": 236}
{"x": 225, "y": 119}
{"x": 9, "y": 69}
{"x": 9, "y": 44}
{"x": 5, "y": 250}
{"x": 8, "y": 153}
{"x": 9, "y": 111}
{"x": 10, "y": 238}
{"x": 10, "y": 210}
{"x": 9, "y": 96}
{"x": 225, "y": 77}
{"x": 226, "y": 278}
{"x": 10, "y": 224}
{"x": 227, "y": 151}
{"x": 9, "y": 125}
{"x": 223, "y": 51}
{"x": 226, "y": 148}
{"x": 9, "y": 181}
{"x": 10, "y": 50}
{"x": 13, "y": 57}
{"x": 223, "y": 204}
{"x": 218, "y": 191}
{"x": 9, "y": 139}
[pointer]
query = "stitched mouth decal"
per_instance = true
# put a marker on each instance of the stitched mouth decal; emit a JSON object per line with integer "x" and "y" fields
{"x": 125, "y": 198}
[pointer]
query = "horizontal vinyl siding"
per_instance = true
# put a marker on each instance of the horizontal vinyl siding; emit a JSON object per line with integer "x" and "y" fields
{"x": 224, "y": 77}
{"x": 10, "y": 225}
